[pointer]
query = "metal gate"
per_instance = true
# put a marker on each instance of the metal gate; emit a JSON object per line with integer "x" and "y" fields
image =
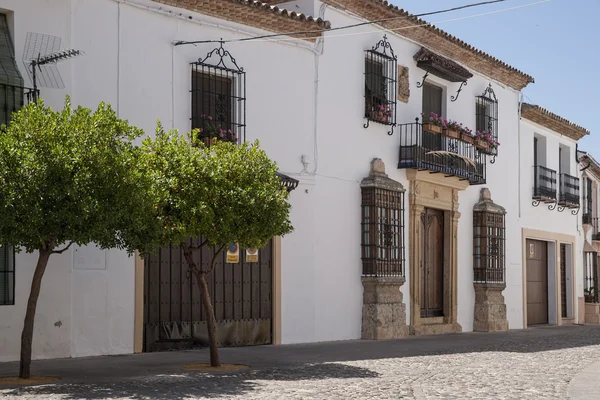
{"x": 174, "y": 316}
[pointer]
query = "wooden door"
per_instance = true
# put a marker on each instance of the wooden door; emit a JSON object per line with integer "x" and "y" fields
{"x": 241, "y": 293}
{"x": 537, "y": 282}
{"x": 563, "y": 280}
{"x": 432, "y": 263}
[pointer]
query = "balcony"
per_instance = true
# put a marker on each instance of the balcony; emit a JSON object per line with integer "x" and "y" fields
{"x": 544, "y": 184}
{"x": 569, "y": 191}
{"x": 595, "y": 222}
{"x": 423, "y": 150}
{"x": 12, "y": 98}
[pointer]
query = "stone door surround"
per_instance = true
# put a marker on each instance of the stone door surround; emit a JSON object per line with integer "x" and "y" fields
{"x": 427, "y": 190}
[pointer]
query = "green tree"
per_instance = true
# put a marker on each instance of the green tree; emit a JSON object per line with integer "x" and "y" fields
{"x": 227, "y": 193}
{"x": 67, "y": 177}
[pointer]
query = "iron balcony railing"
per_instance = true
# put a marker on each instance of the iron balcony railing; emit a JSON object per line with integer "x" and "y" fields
{"x": 590, "y": 277}
{"x": 569, "y": 191}
{"x": 544, "y": 183}
{"x": 434, "y": 152}
{"x": 595, "y": 222}
{"x": 12, "y": 98}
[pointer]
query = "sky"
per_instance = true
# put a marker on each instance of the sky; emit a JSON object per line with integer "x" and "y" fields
{"x": 556, "y": 42}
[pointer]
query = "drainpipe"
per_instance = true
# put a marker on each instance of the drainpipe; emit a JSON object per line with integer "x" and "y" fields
{"x": 519, "y": 151}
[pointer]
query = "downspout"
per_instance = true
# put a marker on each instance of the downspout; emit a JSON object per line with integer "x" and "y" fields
{"x": 519, "y": 151}
{"x": 318, "y": 52}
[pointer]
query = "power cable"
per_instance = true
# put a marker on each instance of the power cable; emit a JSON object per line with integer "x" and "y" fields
{"x": 404, "y": 27}
{"x": 181, "y": 42}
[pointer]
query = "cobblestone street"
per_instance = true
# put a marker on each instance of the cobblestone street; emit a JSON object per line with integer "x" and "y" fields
{"x": 535, "y": 364}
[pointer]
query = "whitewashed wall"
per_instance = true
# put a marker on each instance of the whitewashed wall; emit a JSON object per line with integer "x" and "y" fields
{"x": 131, "y": 63}
{"x": 540, "y": 217}
{"x": 345, "y": 150}
{"x": 87, "y": 300}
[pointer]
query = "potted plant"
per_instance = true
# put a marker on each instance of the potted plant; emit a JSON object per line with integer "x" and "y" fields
{"x": 433, "y": 123}
{"x": 381, "y": 113}
{"x": 466, "y": 135}
{"x": 485, "y": 141}
{"x": 451, "y": 129}
{"x": 210, "y": 134}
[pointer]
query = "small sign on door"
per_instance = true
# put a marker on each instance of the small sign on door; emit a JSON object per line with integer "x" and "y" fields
{"x": 251, "y": 255}
{"x": 233, "y": 253}
{"x": 531, "y": 250}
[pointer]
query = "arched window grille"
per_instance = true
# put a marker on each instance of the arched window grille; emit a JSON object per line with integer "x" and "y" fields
{"x": 486, "y": 116}
{"x": 488, "y": 241}
{"x": 382, "y": 224}
{"x": 381, "y": 84}
{"x": 219, "y": 97}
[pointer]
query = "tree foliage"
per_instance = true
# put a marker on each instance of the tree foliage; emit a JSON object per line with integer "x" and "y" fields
{"x": 69, "y": 176}
{"x": 226, "y": 193}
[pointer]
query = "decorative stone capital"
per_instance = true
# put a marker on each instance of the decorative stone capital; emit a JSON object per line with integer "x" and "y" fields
{"x": 379, "y": 179}
{"x": 486, "y": 204}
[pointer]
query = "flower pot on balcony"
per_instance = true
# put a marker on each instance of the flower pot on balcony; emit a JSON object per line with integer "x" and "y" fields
{"x": 451, "y": 133}
{"x": 431, "y": 128}
{"x": 482, "y": 145}
{"x": 465, "y": 137}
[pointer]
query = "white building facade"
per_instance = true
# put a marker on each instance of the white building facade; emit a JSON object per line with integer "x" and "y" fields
{"x": 306, "y": 99}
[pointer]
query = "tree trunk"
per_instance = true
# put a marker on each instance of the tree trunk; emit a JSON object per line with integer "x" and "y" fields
{"x": 27, "y": 335}
{"x": 210, "y": 312}
{"x": 211, "y": 321}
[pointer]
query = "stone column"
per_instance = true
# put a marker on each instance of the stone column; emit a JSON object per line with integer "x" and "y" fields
{"x": 490, "y": 310}
{"x": 384, "y": 313}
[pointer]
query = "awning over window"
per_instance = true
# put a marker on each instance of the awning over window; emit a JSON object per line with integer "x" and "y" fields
{"x": 441, "y": 67}
{"x": 9, "y": 72}
{"x": 288, "y": 182}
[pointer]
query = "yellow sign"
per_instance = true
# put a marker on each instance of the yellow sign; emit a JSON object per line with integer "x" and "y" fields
{"x": 233, "y": 253}
{"x": 531, "y": 250}
{"x": 251, "y": 255}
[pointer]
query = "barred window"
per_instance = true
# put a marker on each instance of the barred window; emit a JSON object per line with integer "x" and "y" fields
{"x": 486, "y": 116}
{"x": 381, "y": 89}
{"x": 219, "y": 98}
{"x": 7, "y": 276}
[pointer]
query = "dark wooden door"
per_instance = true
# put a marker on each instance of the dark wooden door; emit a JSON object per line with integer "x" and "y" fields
{"x": 432, "y": 263}
{"x": 563, "y": 280}
{"x": 240, "y": 293}
{"x": 537, "y": 282}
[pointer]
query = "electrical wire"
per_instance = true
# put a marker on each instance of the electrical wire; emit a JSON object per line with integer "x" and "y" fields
{"x": 181, "y": 42}
{"x": 404, "y": 27}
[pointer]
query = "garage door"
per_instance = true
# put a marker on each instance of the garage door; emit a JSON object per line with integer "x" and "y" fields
{"x": 537, "y": 282}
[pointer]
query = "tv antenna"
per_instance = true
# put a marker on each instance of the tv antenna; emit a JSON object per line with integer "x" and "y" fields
{"x": 40, "y": 56}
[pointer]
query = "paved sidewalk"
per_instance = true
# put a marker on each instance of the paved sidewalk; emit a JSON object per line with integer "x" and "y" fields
{"x": 530, "y": 364}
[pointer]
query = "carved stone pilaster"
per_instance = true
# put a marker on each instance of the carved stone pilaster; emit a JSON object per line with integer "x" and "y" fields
{"x": 384, "y": 313}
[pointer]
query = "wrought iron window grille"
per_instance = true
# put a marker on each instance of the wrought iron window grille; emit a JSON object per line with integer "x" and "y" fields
{"x": 7, "y": 276}
{"x": 218, "y": 97}
{"x": 588, "y": 202}
{"x": 590, "y": 277}
{"x": 486, "y": 117}
{"x": 489, "y": 238}
{"x": 382, "y": 226}
{"x": 381, "y": 85}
